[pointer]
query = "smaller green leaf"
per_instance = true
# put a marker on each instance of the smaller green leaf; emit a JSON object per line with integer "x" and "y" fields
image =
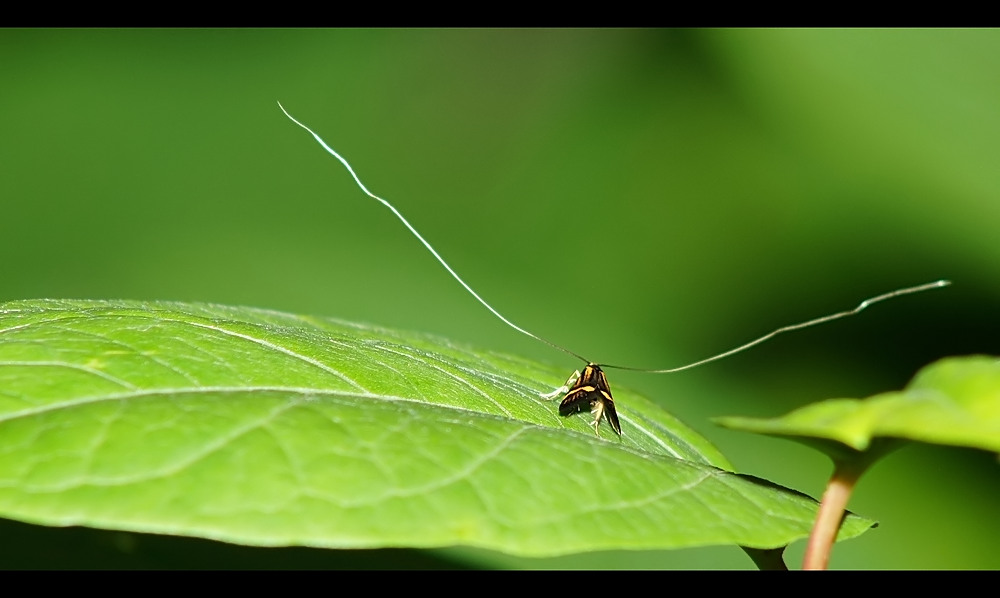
{"x": 954, "y": 401}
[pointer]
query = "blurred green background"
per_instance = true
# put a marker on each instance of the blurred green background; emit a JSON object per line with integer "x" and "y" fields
{"x": 644, "y": 197}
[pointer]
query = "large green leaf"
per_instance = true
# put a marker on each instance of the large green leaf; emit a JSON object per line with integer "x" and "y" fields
{"x": 954, "y": 401}
{"x": 266, "y": 428}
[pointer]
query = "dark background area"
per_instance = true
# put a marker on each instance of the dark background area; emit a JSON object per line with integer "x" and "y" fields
{"x": 644, "y": 197}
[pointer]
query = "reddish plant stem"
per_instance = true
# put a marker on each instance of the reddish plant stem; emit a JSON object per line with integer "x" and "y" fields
{"x": 831, "y": 514}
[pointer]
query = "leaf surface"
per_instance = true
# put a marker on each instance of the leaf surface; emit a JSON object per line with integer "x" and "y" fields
{"x": 954, "y": 401}
{"x": 265, "y": 428}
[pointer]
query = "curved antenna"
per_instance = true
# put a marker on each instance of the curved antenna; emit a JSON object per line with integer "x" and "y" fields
{"x": 426, "y": 244}
{"x": 836, "y": 316}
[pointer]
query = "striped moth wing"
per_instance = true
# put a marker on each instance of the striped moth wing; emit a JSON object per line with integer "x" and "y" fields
{"x": 592, "y": 392}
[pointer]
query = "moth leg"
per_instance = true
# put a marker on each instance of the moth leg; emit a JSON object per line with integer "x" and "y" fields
{"x": 562, "y": 389}
{"x": 597, "y": 410}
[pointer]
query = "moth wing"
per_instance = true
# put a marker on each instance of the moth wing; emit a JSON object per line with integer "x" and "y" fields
{"x": 601, "y": 383}
{"x": 576, "y": 400}
{"x": 611, "y": 414}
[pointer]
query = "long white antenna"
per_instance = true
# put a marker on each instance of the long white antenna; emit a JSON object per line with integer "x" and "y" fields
{"x": 836, "y": 316}
{"x": 426, "y": 244}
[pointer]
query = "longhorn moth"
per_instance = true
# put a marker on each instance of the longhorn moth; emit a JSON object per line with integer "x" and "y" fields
{"x": 590, "y": 389}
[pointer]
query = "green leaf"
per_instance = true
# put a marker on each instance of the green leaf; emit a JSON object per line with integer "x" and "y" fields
{"x": 265, "y": 428}
{"x": 954, "y": 401}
